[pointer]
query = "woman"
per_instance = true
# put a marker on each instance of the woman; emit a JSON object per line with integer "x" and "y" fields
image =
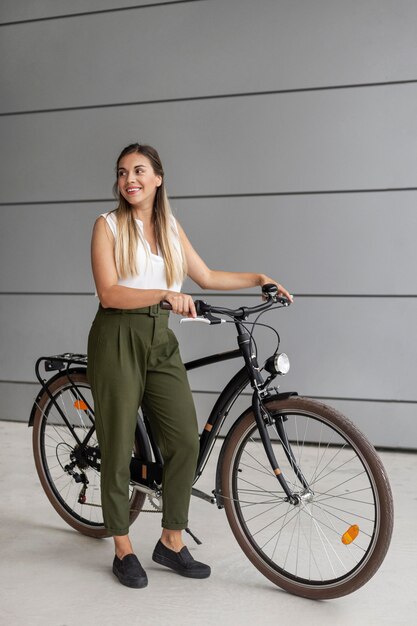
{"x": 140, "y": 256}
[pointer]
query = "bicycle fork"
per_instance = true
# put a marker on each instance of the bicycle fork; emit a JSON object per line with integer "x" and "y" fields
{"x": 263, "y": 417}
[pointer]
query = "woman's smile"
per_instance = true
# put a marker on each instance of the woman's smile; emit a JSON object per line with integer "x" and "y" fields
{"x": 133, "y": 190}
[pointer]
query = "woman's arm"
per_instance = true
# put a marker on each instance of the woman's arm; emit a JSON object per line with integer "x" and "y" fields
{"x": 207, "y": 278}
{"x": 117, "y": 296}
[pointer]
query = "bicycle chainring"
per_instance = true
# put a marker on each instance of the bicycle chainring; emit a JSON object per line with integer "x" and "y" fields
{"x": 155, "y": 500}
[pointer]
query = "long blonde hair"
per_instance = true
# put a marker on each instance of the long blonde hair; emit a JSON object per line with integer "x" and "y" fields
{"x": 128, "y": 234}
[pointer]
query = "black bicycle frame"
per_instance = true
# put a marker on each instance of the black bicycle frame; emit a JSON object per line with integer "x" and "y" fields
{"x": 248, "y": 374}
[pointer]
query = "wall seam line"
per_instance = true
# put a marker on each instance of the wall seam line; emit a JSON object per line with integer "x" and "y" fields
{"x": 212, "y": 96}
{"x": 96, "y": 12}
{"x": 223, "y": 196}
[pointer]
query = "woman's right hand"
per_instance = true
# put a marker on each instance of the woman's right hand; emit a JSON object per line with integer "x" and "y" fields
{"x": 181, "y": 303}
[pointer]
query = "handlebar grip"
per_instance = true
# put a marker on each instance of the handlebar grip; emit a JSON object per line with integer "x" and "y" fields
{"x": 200, "y": 306}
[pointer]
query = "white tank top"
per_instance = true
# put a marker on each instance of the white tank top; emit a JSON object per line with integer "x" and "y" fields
{"x": 151, "y": 266}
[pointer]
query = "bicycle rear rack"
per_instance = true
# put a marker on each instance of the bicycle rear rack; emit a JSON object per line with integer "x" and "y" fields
{"x": 57, "y": 361}
{"x": 61, "y": 363}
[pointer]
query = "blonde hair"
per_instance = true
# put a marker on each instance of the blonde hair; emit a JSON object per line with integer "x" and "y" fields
{"x": 129, "y": 234}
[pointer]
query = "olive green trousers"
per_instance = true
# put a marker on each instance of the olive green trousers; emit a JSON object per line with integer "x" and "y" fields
{"x": 133, "y": 361}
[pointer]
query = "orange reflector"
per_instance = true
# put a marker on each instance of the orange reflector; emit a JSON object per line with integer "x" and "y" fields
{"x": 350, "y": 535}
{"x": 80, "y": 404}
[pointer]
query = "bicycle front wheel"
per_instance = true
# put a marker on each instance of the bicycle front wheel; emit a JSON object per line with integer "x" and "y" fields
{"x": 334, "y": 537}
{"x": 67, "y": 460}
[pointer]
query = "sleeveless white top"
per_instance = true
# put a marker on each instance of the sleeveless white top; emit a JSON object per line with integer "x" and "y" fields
{"x": 151, "y": 266}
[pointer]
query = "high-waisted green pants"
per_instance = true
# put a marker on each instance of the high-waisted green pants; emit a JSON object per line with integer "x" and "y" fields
{"x": 133, "y": 361}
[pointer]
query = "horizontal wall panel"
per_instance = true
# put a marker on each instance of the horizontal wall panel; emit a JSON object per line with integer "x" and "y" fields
{"x": 326, "y": 244}
{"x": 330, "y": 244}
{"x": 15, "y": 10}
{"x": 48, "y": 247}
{"x": 202, "y": 48}
{"x": 338, "y": 347}
{"x": 214, "y": 146}
{"x": 34, "y": 326}
{"x": 385, "y": 424}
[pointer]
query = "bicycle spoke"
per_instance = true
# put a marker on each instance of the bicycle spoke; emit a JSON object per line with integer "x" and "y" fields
{"x": 258, "y": 447}
{"x": 263, "y": 512}
{"x": 256, "y": 469}
{"x": 280, "y": 531}
{"x": 340, "y": 496}
{"x": 357, "y": 515}
{"x": 334, "y": 469}
{"x": 261, "y": 489}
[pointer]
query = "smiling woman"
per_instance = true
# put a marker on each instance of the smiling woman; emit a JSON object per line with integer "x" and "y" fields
{"x": 140, "y": 256}
{"x": 143, "y": 199}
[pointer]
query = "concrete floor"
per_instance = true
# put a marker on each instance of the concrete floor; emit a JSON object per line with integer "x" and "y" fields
{"x": 52, "y": 576}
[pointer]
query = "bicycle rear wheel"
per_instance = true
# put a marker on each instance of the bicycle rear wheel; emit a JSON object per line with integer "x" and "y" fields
{"x": 334, "y": 539}
{"x": 63, "y": 465}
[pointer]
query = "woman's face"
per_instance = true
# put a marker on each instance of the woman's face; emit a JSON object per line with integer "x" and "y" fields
{"x": 137, "y": 180}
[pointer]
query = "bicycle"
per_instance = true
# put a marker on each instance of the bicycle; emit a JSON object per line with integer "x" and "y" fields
{"x": 318, "y": 523}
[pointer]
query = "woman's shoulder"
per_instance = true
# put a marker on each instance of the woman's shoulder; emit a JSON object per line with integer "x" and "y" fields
{"x": 111, "y": 219}
{"x": 109, "y": 215}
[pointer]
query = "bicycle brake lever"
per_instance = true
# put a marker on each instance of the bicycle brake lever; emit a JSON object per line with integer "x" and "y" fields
{"x": 212, "y": 320}
{"x": 194, "y": 319}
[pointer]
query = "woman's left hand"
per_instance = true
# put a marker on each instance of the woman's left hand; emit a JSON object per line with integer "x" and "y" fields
{"x": 281, "y": 290}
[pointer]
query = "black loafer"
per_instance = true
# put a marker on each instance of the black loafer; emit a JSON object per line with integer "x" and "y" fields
{"x": 129, "y": 571}
{"x": 182, "y": 561}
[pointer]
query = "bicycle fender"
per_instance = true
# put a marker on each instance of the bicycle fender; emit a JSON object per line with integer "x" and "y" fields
{"x": 76, "y": 370}
{"x": 278, "y": 396}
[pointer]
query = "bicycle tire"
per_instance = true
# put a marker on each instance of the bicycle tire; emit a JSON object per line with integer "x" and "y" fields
{"x": 368, "y": 505}
{"x": 45, "y": 410}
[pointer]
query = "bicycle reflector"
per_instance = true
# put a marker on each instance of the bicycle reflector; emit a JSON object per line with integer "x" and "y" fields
{"x": 80, "y": 404}
{"x": 350, "y": 535}
{"x": 278, "y": 364}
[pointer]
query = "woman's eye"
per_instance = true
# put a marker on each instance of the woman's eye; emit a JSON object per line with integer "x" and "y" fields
{"x": 121, "y": 174}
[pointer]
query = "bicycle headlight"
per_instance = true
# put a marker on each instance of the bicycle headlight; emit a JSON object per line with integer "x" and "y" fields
{"x": 278, "y": 364}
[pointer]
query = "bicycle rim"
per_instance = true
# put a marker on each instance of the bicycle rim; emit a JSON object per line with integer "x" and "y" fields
{"x": 335, "y": 537}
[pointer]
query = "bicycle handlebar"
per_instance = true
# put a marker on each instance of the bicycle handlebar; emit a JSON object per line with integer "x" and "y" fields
{"x": 204, "y": 309}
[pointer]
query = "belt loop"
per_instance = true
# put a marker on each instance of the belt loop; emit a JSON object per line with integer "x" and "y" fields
{"x": 154, "y": 310}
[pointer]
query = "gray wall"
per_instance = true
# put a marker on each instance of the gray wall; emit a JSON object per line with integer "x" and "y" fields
{"x": 288, "y": 133}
